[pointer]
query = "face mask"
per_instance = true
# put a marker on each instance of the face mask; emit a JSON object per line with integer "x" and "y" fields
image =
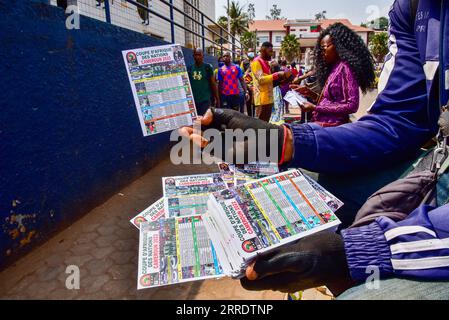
{"x": 221, "y": 64}
{"x": 251, "y": 55}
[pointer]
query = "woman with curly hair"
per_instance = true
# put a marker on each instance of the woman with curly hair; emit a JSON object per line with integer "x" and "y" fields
{"x": 343, "y": 64}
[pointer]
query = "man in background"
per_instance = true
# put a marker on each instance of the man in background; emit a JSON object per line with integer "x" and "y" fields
{"x": 203, "y": 83}
{"x": 229, "y": 77}
{"x": 263, "y": 81}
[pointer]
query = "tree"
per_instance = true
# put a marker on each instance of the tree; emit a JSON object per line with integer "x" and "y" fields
{"x": 381, "y": 23}
{"x": 320, "y": 15}
{"x": 275, "y": 13}
{"x": 223, "y": 22}
{"x": 251, "y": 12}
{"x": 379, "y": 46}
{"x": 248, "y": 40}
{"x": 290, "y": 47}
{"x": 239, "y": 19}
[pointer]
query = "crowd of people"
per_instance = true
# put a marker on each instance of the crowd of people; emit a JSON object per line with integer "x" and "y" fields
{"x": 390, "y": 167}
{"x": 258, "y": 84}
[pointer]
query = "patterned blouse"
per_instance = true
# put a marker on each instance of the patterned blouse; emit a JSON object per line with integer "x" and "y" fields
{"x": 340, "y": 97}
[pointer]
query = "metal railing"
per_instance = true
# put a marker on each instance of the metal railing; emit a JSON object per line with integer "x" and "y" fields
{"x": 197, "y": 24}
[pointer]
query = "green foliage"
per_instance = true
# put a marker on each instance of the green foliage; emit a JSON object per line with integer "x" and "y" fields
{"x": 290, "y": 47}
{"x": 275, "y": 13}
{"x": 239, "y": 19}
{"x": 379, "y": 24}
{"x": 248, "y": 40}
{"x": 379, "y": 46}
{"x": 321, "y": 15}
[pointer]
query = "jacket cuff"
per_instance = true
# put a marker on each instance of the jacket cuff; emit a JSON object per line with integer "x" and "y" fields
{"x": 304, "y": 145}
{"x": 367, "y": 247}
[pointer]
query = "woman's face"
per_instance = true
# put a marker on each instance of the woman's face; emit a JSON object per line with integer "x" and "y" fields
{"x": 329, "y": 51}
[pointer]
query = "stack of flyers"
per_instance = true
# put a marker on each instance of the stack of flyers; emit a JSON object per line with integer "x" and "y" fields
{"x": 253, "y": 171}
{"x": 294, "y": 98}
{"x": 262, "y": 215}
{"x": 151, "y": 214}
{"x": 175, "y": 250}
{"x": 237, "y": 175}
{"x": 188, "y": 195}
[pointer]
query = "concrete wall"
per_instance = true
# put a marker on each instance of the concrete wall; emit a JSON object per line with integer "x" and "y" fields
{"x": 69, "y": 132}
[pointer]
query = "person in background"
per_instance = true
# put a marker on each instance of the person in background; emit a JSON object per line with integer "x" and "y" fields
{"x": 285, "y": 87}
{"x": 203, "y": 83}
{"x": 343, "y": 64}
{"x": 243, "y": 96}
{"x": 278, "y": 100}
{"x": 247, "y": 76}
{"x": 295, "y": 71}
{"x": 229, "y": 76}
{"x": 263, "y": 81}
{"x": 220, "y": 64}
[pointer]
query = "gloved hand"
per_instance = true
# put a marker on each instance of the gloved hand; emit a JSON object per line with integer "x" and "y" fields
{"x": 226, "y": 119}
{"x": 318, "y": 260}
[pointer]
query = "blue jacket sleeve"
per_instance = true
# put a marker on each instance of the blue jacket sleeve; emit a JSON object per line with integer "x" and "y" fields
{"x": 417, "y": 247}
{"x": 397, "y": 124}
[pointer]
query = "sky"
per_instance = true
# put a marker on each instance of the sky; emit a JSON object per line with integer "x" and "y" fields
{"x": 357, "y": 11}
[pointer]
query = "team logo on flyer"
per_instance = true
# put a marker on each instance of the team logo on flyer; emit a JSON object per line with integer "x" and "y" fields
{"x": 145, "y": 280}
{"x": 132, "y": 58}
{"x": 249, "y": 246}
{"x": 139, "y": 220}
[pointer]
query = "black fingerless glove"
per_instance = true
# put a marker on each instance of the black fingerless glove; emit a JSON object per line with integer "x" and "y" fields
{"x": 225, "y": 119}
{"x": 318, "y": 260}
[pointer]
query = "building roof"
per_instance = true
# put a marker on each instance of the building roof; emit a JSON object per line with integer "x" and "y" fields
{"x": 328, "y": 22}
{"x": 267, "y": 25}
{"x": 281, "y": 25}
{"x": 302, "y": 22}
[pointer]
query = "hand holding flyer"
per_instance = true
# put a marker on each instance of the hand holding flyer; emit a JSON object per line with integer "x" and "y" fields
{"x": 161, "y": 88}
{"x": 294, "y": 98}
{"x": 263, "y": 215}
{"x": 205, "y": 227}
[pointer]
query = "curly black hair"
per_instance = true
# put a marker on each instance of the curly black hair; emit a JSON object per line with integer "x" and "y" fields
{"x": 351, "y": 49}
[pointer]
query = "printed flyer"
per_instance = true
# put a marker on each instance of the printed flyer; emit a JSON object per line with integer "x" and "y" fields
{"x": 253, "y": 171}
{"x": 161, "y": 88}
{"x": 151, "y": 214}
{"x": 175, "y": 250}
{"x": 332, "y": 201}
{"x": 263, "y": 215}
{"x": 188, "y": 195}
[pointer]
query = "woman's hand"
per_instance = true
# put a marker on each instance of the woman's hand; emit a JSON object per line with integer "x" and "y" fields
{"x": 284, "y": 75}
{"x": 299, "y": 79}
{"x": 308, "y": 107}
{"x": 303, "y": 90}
